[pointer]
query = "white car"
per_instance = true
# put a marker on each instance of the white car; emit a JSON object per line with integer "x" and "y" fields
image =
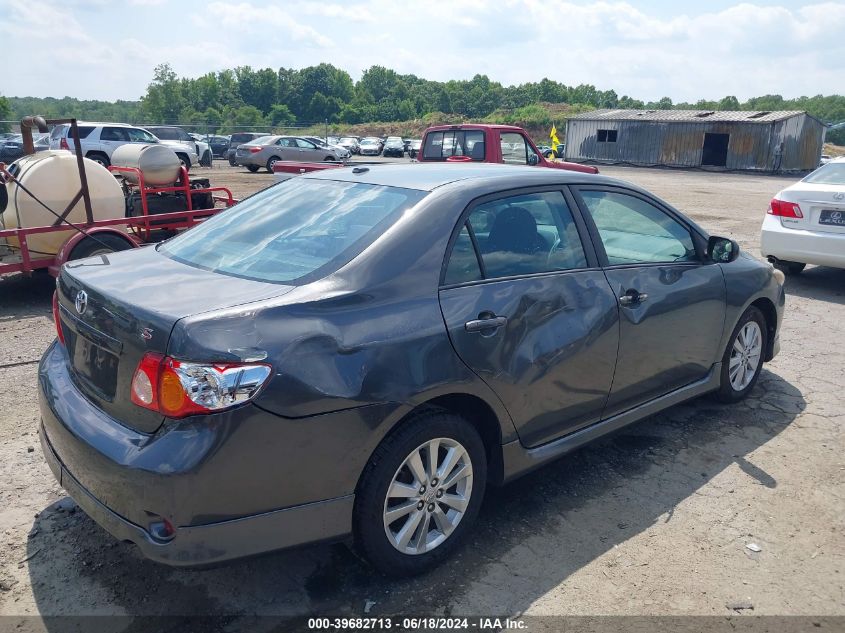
{"x": 199, "y": 151}
{"x": 99, "y": 140}
{"x": 805, "y": 223}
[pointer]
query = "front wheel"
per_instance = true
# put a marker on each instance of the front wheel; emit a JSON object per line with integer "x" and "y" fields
{"x": 185, "y": 161}
{"x": 743, "y": 359}
{"x": 252, "y": 168}
{"x": 420, "y": 494}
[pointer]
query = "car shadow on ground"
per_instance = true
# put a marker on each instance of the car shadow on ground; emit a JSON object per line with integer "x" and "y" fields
{"x": 23, "y": 296}
{"x": 530, "y": 537}
{"x": 820, "y": 283}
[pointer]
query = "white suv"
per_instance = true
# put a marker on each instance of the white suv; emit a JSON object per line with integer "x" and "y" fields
{"x": 99, "y": 140}
{"x": 173, "y": 135}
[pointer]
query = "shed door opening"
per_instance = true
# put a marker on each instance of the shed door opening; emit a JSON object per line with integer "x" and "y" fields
{"x": 715, "y": 151}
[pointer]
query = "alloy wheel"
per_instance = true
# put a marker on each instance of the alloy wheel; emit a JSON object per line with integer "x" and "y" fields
{"x": 428, "y": 496}
{"x": 745, "y": 355}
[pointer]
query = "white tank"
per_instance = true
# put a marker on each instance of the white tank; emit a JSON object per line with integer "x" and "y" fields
{"x": 54, "y": 179}
{"x": 158, "y": 163}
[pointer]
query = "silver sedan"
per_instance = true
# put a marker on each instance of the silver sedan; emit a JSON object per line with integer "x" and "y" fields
{"x": 266, "y": 151}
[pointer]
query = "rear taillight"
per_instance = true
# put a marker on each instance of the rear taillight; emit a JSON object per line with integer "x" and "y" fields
{"x": 63, "y": 144}
{"x": 177, "y": 388}
{"x": 57, "y": 318}
{"x": 784, "y": 209}
{"x": 255, "y": 150}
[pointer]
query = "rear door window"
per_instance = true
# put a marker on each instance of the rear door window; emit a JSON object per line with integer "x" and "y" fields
{"x": 114, "y": 134}
{"x": 517, "y": 235}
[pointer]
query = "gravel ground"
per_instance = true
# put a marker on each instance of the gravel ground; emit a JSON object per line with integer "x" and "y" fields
{"x": 653, "y": 520}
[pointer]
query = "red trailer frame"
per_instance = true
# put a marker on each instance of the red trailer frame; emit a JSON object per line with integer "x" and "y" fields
{"x": 136, "y": 231}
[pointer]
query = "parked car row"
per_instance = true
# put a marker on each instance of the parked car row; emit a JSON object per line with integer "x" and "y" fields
{"x": 99, "y": 140}
{"x": 11, "y": 147}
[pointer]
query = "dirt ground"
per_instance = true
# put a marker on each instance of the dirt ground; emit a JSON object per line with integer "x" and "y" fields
{"x": 654, "y": 520}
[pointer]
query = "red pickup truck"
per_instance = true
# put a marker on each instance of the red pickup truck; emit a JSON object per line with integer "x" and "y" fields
{"x": 458, "y": 143}
{"x": 487, "y": 144}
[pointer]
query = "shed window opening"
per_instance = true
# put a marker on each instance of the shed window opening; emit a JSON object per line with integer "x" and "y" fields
{"x": 606, "y": 136}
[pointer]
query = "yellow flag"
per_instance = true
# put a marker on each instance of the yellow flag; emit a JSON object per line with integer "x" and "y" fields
{"x": 553, "y": 137}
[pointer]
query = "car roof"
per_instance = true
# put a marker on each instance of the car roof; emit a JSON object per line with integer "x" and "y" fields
{"x": 475, "y": 126}
{"x": 96, "y": 124}
{"x": 430, "y": 176}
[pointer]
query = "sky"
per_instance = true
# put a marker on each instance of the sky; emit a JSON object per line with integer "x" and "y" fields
{"x": 107, "y": 49}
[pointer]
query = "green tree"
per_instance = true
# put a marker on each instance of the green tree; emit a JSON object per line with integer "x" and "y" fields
{"x": 5, "y": 113}
{"x": 280, "y": 114}
{"x": 163, "y": 101}
{"x": 728, "y": 103}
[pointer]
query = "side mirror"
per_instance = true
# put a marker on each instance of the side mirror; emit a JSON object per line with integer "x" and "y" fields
{"x": 533, "y": 160}
{"x": 722, "y": 250}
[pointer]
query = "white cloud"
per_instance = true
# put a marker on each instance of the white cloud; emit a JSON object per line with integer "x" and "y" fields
{"x": 95, "y": 49}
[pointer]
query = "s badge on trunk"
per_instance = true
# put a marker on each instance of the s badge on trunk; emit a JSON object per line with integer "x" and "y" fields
{"x": 81, "y": 302}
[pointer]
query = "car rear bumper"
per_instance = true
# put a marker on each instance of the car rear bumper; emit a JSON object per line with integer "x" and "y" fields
{"x": 800, "y": 245}
{"x": 215, "y": 542}
{"x": 190, "y": 474}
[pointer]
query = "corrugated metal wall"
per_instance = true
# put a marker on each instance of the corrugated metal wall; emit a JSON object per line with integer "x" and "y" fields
{"x": 751, "y": 146}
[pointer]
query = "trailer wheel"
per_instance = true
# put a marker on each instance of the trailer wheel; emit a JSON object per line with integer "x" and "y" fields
{"x": 99, "y": 245}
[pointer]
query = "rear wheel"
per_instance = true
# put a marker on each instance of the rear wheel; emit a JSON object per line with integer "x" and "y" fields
{"x": 420, "y": 494}
{"x": 789, "y": 268}
{"x": 98, "y": 245}
{"x": 743, "y": 359}
{"x": 272, "y": 161}
{"x": 232, "y": 162}
{"x": 99, "y": 158}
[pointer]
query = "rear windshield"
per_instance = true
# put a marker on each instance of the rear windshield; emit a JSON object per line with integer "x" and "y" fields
{"x": 830, "y": 174}
{"x": 243, "y": 138}
{"x": 295, "y": 232}
{"x": 442, "y": 145}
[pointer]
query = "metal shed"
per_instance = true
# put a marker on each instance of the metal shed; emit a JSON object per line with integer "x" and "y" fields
{"x": 749, "y": 140}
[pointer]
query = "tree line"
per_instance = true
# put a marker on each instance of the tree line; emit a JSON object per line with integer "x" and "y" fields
{"x": 245, "y": 97}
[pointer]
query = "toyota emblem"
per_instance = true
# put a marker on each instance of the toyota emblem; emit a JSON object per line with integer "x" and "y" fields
{"x": 839, "y": 196}
{"x": 81, "y": 302}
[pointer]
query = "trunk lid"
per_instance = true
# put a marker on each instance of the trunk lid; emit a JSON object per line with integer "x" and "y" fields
{"x": 823, "y": 207}
{"x": 114, "y": 308}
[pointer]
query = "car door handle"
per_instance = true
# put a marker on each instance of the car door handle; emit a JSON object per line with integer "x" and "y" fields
{"x": 632, "y": 297}
{"x": 480, "y": 325}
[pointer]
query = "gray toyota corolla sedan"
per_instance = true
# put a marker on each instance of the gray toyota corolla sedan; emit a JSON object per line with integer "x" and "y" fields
{"x": 363, "y": 351}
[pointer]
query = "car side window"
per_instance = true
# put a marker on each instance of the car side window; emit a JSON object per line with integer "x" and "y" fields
{"x": 634, "y": 231}
{"x": 463, "y": 263}
{"x": 514, "y": 149}
{"x": 113, "y": 134}
{"x": 518, "y": 235}
{"x": 302, "y": 143}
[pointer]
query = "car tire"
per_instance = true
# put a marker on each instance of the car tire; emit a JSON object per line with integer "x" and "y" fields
{"x": 789, "y": 268}
{"x": 98, "y": 245}
{"x": 252, "y": 168}
{"x": 330, "y": 159}
{"x": 99, "y": 158}
{"x": 272, "y": 161}
{"x": 232, "y": 162}
{"x": 389, "y": 467}
{"x": 207, "y": 159}
{"x": 745, "y": 351}
{"x": 186, "y": 162}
